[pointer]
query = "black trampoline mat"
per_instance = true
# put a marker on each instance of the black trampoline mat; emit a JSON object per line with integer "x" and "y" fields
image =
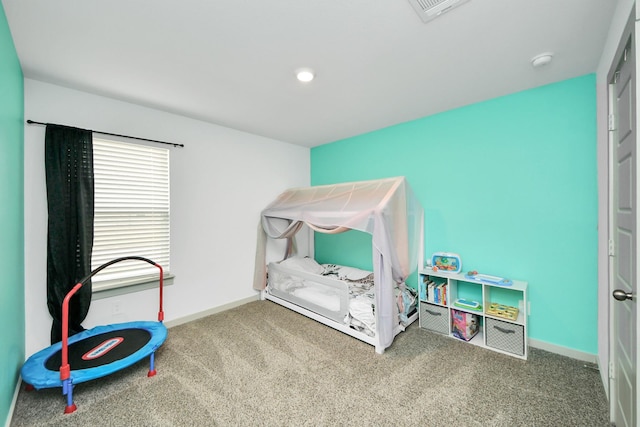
{"x": 133, "y": 339}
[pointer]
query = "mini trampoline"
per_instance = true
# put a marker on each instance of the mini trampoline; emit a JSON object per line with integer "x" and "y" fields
{"x": 97, "y": 352}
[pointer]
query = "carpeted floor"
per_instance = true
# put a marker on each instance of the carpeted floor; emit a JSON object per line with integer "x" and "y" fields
{"x": 262, "y": 364}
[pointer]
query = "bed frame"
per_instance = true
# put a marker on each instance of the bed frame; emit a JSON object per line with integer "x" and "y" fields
{"x": 333, "y": 319}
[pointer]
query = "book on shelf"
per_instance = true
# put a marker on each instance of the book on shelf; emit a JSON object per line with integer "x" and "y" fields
{"x": 442, "y": 293}
{"x": 434, "y": 292}
{"x": 430, "y": 288}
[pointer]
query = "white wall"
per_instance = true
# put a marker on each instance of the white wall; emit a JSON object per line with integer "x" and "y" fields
{"x": 220, "y": 182}
{"x": 616, "y": 28}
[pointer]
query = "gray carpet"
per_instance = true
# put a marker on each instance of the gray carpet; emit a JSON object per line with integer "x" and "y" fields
{"x": 262, "y": 364}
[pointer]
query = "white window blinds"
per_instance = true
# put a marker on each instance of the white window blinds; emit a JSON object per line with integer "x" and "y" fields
{"x": 131, "y": 209}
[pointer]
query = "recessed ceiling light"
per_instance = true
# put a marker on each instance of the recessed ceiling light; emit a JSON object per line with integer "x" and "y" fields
{"x": 542, "y": 59}
{"x": 305, "y": 75}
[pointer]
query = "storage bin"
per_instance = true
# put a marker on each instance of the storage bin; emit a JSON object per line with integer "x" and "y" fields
{"x": 434, "y": 318}
{"x": 505, "y": 336}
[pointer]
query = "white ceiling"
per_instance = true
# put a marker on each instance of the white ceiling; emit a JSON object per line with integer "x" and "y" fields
{"x": 232, "y": 62}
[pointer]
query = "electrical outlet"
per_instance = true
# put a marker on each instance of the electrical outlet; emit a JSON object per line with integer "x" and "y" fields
{"x": 116, "y": 307}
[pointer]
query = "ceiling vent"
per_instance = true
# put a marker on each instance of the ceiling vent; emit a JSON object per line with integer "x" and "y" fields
{"x": 431, "y": 9}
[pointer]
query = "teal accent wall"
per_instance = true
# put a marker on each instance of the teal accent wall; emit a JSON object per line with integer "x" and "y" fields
{"x": 510, "y": 184}
{"x": 12, "y": 311}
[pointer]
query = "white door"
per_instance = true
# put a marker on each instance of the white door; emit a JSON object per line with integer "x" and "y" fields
{"x": 623, "y": 303}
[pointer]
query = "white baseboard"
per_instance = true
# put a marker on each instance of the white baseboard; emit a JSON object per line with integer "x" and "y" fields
{"x": 12, "y": 407}
{"x": 209, "y": 312}
{"x": 564, "y": 351}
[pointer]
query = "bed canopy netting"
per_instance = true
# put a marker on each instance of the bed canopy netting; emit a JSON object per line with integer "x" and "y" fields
{"x": 386, "y": 209}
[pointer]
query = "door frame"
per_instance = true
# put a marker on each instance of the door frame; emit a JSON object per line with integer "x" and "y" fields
{"x": 629, "y": 31}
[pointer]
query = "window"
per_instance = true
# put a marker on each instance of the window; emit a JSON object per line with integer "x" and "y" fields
{"x": 131, "y": 212}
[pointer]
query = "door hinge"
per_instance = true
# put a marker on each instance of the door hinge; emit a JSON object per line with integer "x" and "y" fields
{"x": 612, "y": 248}
{"x": 611, "y": 370}
{"x": 612, "y": 122}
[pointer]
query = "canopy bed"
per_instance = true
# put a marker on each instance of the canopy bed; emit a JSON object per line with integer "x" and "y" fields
{"x": 335, "y": 295}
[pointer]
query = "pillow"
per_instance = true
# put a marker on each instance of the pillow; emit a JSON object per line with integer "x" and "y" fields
{"x": 303, "y": 264}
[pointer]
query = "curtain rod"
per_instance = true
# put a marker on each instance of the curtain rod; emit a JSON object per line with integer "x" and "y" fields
{"x": 31, "y": 122}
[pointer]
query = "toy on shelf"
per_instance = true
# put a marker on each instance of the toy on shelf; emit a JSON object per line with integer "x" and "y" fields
{"x": 463, "y": 325}
{"x": 468, "y": 304}
{"x": 504, "y": 311}
{"x": 494, "y": 280}
{"x": 446, "y": 262}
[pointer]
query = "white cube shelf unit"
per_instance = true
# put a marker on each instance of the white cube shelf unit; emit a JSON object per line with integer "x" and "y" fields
{"x": 498, "y": 329}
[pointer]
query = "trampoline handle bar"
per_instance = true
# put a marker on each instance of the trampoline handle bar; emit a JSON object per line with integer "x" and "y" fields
{"x": 65, "y": 369}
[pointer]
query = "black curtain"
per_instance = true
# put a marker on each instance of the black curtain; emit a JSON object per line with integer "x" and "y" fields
{"x": 69, "y": 172}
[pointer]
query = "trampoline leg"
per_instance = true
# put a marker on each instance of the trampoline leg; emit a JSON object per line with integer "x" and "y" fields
{"x": 67, "y": 388}
{"x": 152, "y": 365}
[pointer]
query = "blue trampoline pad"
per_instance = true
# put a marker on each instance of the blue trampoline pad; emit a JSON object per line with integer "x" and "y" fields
{"x": 95, "y": 353}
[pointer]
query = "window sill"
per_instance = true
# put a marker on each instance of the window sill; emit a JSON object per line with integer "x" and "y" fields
{"x": 112, "y": 288}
